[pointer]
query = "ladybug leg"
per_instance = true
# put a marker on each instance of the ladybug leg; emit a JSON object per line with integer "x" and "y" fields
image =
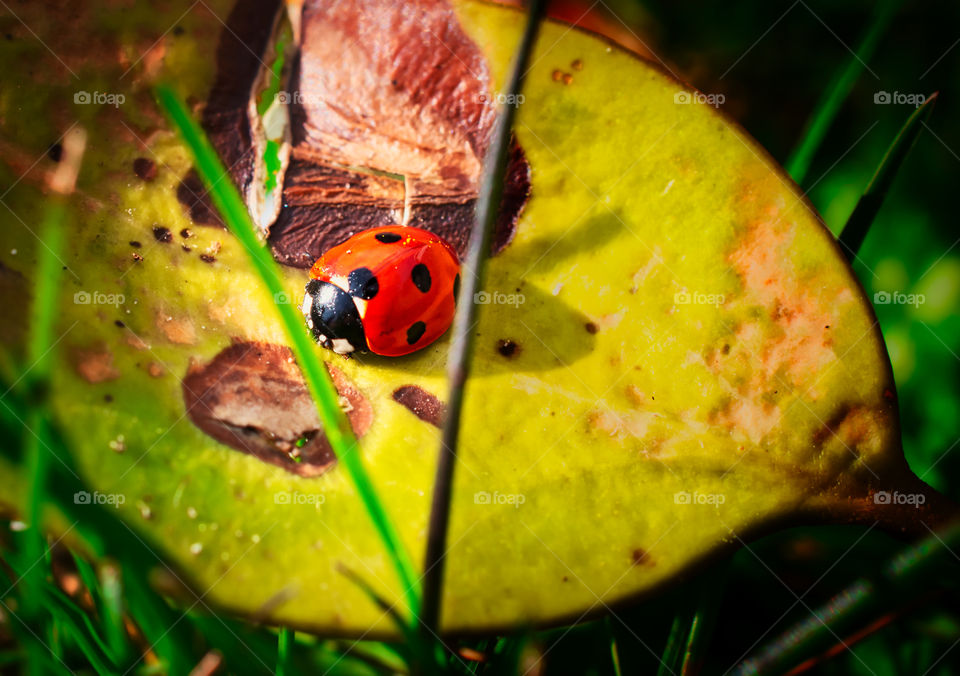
{"x": 333, "y": 319}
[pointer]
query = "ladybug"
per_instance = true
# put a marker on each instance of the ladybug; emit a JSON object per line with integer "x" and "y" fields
{"x": 390, "y": 290}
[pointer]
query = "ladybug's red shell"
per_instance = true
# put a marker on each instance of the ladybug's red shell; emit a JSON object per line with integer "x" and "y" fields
{"x": 403, "y": 282}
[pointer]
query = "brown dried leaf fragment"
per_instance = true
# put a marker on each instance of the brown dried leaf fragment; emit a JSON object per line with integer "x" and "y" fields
{"x": 391, "y": 116}
{"x": 252, "y": 397}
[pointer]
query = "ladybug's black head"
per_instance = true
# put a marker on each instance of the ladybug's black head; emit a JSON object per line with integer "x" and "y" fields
{"x": 333, "y": 318}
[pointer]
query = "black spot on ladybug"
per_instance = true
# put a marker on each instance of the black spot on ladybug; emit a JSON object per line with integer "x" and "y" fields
{"x": 388, "y": 237}
{"x": 415, "y": 332}
{"x": 421, "y": 277}
{"x": 507, "y": 348}
{"x": 363, "y": 284}
{"x": 456, "y": 287}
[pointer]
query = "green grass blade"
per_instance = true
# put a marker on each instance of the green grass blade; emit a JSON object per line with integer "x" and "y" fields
{"x": 284, "y": 638}
{"x": 335, "y": 424}
{"x": 703, "y": 621}
{"x": 462, "y": 335}
{"x": 614, "y": 648}
{"x": 827, "y": 108}
{"x": 672, "y": 651}
{"x": 904, "y": 579}
{"x": 856, "y": 228}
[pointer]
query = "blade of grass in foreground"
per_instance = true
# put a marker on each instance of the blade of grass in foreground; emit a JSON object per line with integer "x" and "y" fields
{"x": 798, "y": 164}
{"x": 335, "y": 425}
{"x": 856, "y": 228}
{"x": 900, "y": 582}
{"x": 461, "y": 343}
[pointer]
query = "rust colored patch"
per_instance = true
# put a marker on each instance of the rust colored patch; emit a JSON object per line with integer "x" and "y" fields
{"x": 421, "y": 403}
{"x": 177, "y": 330}
{"x": 252, "y": 397}
{"x": 95, "y": 365}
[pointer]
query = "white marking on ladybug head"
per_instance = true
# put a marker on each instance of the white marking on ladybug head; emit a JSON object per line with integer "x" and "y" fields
{"x": 306, "y": 305}
{"x": 342, "y": 346}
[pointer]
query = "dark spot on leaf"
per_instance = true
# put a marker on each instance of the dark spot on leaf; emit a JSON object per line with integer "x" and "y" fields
{"x": 207, "y": 258}
{"x": 137, "y": 258}
{"x": 162, "y": 234}
{"x": 186, "y": 233}
{"x": 420, "y": 275}
{"x": 361, "y": 283}
{"x": 641, "y": 557}
{"x": 388, "y": 237}
{"x": 591, "y": 327}
{"x": 252, "y": 397}
{"x": 119, "y": 323}
{"x": 194, "y": 197}
{"x": 135, "y": 244}
{"x": 421, "y": 403}
{"x": 415, "y": 332}
{"x": 108, "y": 398}
{"x": 55, "y": 152}
{"x": 145, "y": 168}
{"x": 507, "y": 348}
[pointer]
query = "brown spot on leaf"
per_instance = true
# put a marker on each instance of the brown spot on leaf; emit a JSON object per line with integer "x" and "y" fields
{"x": 591, "y": 327}
{"x": 508, "y": 348}
{"x": 421, "y": 403}
{"x": 641, "y": 557}
{"x": 95, "y": 365}
{"x": 162, "y": 234}
{"x": 194, "y": 197}
{"x": 252, "y": 397}
{"x": 145, "y": 168}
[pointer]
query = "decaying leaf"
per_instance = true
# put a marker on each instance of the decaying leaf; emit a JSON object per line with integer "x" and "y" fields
{"x": 672, "y": 353}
